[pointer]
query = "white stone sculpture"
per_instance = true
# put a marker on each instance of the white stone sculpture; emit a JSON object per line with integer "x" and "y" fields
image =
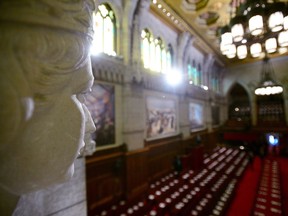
{"x": 44, "y": 69}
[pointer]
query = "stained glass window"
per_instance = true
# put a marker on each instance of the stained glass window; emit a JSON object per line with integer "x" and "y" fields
{"x": 104, "y": 31}
{"x": 145, "y": 48}
{"x": 158, "y": 56}
{"x": 164, "y": 60}
{"x": 199, "y": 75}
{"x": 215, "y": 83}
{"x": 154, "y": 54}
{"x": 169, "y": 59}
{"x": 194, "y": 73}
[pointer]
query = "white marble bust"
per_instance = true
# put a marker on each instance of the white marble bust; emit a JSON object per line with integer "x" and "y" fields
{"x": 44, "y": 70}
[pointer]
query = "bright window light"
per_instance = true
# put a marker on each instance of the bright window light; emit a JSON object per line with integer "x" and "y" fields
{"x": 94, "y": 51}
{"x": 104, "y": 26}
{"x": 174, "y": 78}
{"x": 204, "y": 87}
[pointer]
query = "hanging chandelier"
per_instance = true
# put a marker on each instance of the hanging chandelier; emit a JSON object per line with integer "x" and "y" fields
{"x": 256, "y": 28}
{"x": 268, "y": 85}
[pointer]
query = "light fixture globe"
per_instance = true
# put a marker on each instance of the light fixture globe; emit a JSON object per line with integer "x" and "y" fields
{"x": 271, "y": 45}
{"x": 237, "y": 27}
{"x": 256, "y": 20}
{"x": 285, "y": 22}
{"x": 226, "y": 36}
{"x": 269, "y": 89}
{"x": 231, "y": 53}
{"x": 283, "y": 39}
{"x": 255, "y": 50}
{"x": 242, "y": 51}
{"x": 224, "y": 48}
{"x": 276, "y": 17}
{"x": 226, "y": 40}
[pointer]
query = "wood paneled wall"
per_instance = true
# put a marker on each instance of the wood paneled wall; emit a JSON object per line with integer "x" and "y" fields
{"x": 161, "y": 157}
{"x": 115, "y": 174}
{"x": 105, "y": 179}
{"x": 137, "y": 173}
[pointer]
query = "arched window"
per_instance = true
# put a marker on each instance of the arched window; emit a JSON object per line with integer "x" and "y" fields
{"x": 158, "y": 54}
{"x": 169, "y": 58}
{"x": 164, "y": 60}
{"x": 154, "y": 54}
{"x": 104, "y": 25}
{"x": 145, "y": 47}
{"x": 194, "y": 73}
{"x": 190, "y": 73}
{"x": 199, "y": 75}
{"x": 215, "y": 82}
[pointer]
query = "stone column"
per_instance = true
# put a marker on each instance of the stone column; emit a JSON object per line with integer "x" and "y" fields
{"x": 184, "y": 122}
{"x": 133, "y": 116}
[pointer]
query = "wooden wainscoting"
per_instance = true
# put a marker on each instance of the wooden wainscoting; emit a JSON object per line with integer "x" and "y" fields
{"x": 105, "y": 180}
{"x": 137, "y": 178}
{"x": 161, "y": 157}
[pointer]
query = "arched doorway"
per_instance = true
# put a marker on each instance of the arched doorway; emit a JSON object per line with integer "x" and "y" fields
{"x": 239, "y": 108}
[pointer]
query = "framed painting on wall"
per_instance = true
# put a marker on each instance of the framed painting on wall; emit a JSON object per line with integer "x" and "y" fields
{"x": 101, "y": 104}
{"x": 196, "y": 117}
{"x": 161, "y": 117}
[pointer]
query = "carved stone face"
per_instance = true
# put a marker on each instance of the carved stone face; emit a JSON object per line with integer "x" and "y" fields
{"x": 90, "y": 145}
{"x": 50, "y": 128}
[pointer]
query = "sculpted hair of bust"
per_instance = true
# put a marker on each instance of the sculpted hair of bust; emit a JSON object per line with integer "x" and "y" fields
{"x": 44, "y": 69}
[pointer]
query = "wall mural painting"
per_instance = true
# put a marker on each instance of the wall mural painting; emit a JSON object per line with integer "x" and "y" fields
{"x": 196, "y": 117}
{"x": 101, "y": 104}
{"x": 161, "y": 120}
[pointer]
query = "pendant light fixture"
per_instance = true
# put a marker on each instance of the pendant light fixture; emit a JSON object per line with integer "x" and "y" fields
{"x": 267, "y": 85}
{"x": 259, "y": 25}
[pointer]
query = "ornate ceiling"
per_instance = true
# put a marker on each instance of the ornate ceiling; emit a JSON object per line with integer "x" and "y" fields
{"x": 201, "y": 18}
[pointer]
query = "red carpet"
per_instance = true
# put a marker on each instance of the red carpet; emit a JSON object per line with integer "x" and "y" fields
{"x": 269, "y": 199}
{"x": 246, "y": 192}
{"x": 284, "y": 183}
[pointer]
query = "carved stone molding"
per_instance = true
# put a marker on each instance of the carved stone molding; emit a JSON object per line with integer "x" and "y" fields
{"x": 108, "y": 68}
{"x": 113, "y": 69}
